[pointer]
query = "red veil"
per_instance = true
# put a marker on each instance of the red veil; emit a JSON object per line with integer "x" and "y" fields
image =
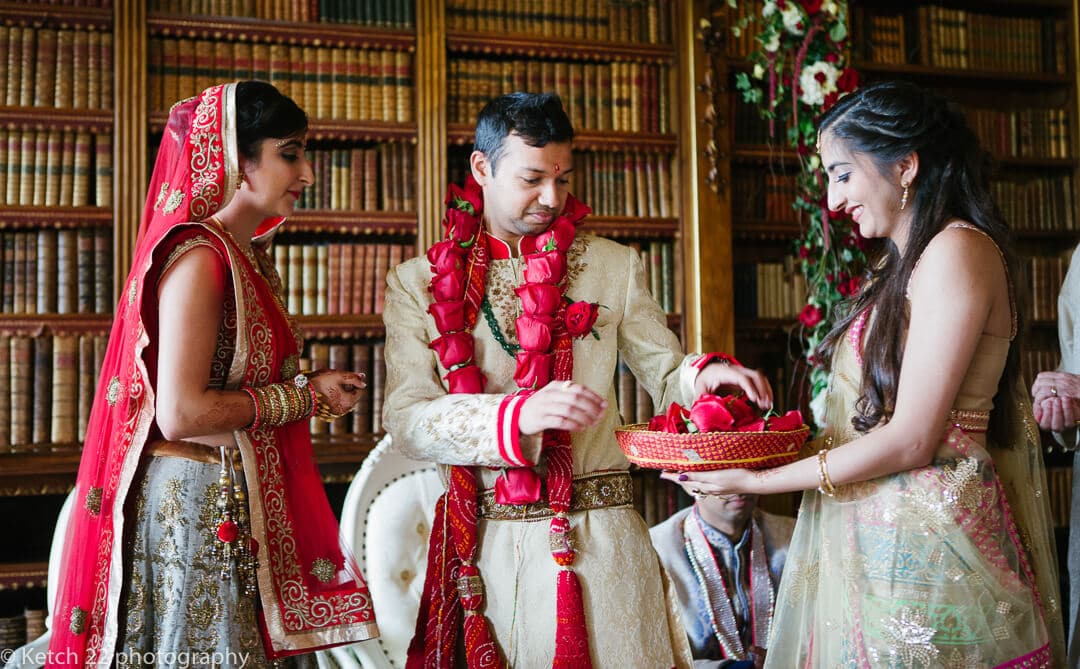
{"x": 303, "y": 604}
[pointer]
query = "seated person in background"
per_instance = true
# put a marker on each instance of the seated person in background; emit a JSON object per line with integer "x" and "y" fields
{"x": 724, "y": 556}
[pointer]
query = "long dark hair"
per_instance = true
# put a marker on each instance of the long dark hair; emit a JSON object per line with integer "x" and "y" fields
{"x": 886, "y": 122}
{"x": 263, "y": 111}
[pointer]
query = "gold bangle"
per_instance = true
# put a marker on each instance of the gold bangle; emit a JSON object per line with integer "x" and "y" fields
{"x": 826, "y": 486}
{"x": 323, "y": 411}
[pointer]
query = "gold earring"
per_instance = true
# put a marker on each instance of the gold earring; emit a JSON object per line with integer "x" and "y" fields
{"x": 240, "y": 182}
{"x": 904, "y": 196}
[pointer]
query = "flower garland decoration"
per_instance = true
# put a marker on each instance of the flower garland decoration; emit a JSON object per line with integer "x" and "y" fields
{"x": 545, "y": 332}
{"x": 799, "y": 70}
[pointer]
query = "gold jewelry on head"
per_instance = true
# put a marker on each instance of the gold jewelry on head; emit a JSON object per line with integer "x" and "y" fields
{"x": 904, "y": 196}
{"x": 283, "y": 142}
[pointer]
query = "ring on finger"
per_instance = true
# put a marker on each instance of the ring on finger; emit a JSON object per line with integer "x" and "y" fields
{"x": 1053, "y": 391}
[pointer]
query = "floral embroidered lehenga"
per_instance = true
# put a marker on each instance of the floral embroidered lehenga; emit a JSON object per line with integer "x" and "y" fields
{"x": 948, "y": 565}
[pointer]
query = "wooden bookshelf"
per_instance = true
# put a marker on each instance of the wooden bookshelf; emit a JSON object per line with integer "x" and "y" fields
{"x": 561, "y": 48}
{"x": 20, "y": 575}
{"x": 593, "y": 140}
{"x": 313, "y": 33}
{"x": 36, "y": 218}
{"x": 40, "y": 15}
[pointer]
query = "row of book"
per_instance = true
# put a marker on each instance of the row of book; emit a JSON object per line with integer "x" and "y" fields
{"x": 750, "y": 127}
{"x": 960, "y": 39}
{"x": 647, "y": 21}
{"x": 635, "y": 404}
{"x": 1045, "y": 275}
{"x": 364, "y": 357}
{"x": 1035, "y": 360}
{"x": 768, "y": 290}
{"x": 377, "y": 13}
{"x": 1023, "y": 133}
{"x": 1059, "y": 491}
{"x": 336, "y": 278}
{"x": 658, "y": 258}
{"x": 47, "y": 387}
{"x": 1040, "y": 203}
{"x": 55, "y": 168}
{"x": 328, "y": 82}
{"x": 620, "y": 96}
{"x": 66, "y": 68}
{"x": 16, "y": 631}
{"x": 381, "y": 178}
{"x": 764, "y": 195}
{"x": 56, "y": 271}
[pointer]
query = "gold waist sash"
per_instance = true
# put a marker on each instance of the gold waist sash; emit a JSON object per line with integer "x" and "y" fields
{"x": 190, "y": 450}
{"x": 598, "y": 490}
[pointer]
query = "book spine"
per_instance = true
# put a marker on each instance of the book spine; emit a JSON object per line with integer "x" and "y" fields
{"x": 64, "y": 427}
{"x": 42, "y": 389}
{"x": 45, "y": 82}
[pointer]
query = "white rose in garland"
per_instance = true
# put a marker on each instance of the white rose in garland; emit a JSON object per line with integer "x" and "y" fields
{"x": 817, "y": 81}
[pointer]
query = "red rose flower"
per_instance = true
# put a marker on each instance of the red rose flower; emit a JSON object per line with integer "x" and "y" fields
{"x": 848, "y": 80}
{"x": 580, "y": 318}
{"x": 467, "y": 379}
{"x": 539, "y": 298}
{"x": 534, "y": 332}
{"x": 446, "y": 256}
{"x": 448, "y": 287}
{"x": 472, "y": 195}
{"x": 810, "y": 316}
{"x": 832, "y": 57}
{"x": 454, "y": 348}
{"x": 675, "y": 419}
{"x": 710, "y": 414}
{"x": 741, "y": 411}
{"x": 792, "y": 420}
{"x": 757, "y": 425}
{"x": 460, "y": 226}
{"x": 559, "y": 236}
{"x": 533, "y": 369}
{"x": 830, "y": 100}
{"x": 545, "y": 267}
{"x": 449, "y": 316}
{"x": 804, "y": 251}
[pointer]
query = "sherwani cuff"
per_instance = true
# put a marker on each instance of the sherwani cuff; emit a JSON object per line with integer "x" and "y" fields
{"x": 516, "y": 450}
{"x": 692, "y": 365}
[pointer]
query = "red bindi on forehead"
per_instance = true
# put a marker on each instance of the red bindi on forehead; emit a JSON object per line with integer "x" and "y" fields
{"x": 558, "y": 168}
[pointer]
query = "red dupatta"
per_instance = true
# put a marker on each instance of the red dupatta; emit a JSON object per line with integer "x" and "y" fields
{"x": 310, "y": 592}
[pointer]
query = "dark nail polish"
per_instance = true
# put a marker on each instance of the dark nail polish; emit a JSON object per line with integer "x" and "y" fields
{"x": 683, "y": 477}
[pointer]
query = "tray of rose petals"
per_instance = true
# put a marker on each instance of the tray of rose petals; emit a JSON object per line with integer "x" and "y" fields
{"x": 716, "y": 432}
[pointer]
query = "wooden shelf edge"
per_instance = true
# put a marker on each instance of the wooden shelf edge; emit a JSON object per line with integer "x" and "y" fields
{"x": 524, "y": 44}
{"x": 757, "y": 153}
{"x": 45, "y": 118}
{"x": 968, "y": 75}
{"x": 38, "y": 325}
{"x": 55, "y": 217}
{"x": 751, "y": 229}
{"x": 363, "y": 326}
{"x": 606, "y": 140}
{"x": 349, "y": 222}
{"x": 53, "y": 16}
{"x": 631, "y": 227}
{"x": 250, "y": 29}
{"x": 319, "y": 129}
{"x": 17, "y": 575}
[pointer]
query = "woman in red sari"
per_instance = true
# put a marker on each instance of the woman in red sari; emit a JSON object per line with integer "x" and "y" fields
{"x": 202, "y": 533}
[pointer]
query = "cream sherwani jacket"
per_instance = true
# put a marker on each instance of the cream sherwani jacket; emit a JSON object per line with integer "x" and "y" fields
{"x": 1069, "y": 339}
{"x": 633, "y": 618}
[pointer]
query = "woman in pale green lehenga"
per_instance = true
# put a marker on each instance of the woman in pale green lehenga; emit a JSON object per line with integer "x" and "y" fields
{"x": 928, "y": 541}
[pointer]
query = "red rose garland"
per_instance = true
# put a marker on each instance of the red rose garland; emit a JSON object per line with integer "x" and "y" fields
{"x": 544, "y": 330}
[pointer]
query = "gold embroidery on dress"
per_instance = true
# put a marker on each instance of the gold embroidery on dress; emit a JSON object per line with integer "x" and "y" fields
{"x": 802, "y": 582}
{"x": 78, "y": 620}
{"x": 964, "y": 660}
{"x": 161, "y": 195}
{"x": 113, "y": 393}
{"x": 176, "y": 198}
{"x": 908, "y": 639}
{"x": 964, "y": 486}
{"x": 323, "y": 570}
{"x": 919, "y": 508}
{"x": 606, "y": 490}
{"x": 93, "y": 500}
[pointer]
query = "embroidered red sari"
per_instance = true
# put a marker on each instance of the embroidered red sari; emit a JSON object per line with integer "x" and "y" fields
{"x": 303, "y": 605}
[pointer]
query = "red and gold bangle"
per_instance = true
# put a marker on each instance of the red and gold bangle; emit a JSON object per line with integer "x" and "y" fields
{"x": 280, "y": 403}
{"x": 257, "y": 420}
{"x": 722, "y": 358}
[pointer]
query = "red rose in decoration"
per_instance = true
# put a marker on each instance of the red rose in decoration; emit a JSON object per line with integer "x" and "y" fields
{"x": 472, "y": 196}
{"x": 580, "y": 318}
{"x": 830, "y": 100}
{"x": 792, "y": 420}
{"x": 467, "y": 379}
{"x": 574, "y": 210}
{"x": 446, "y": 256}
{"x": 533, "y": 369}
{"x": 757, "y": 425}
{"x": 454, "y": 348}
{"x": 227, "y": 532}
{"x": 848, "y": 80}
{"x": 810, "y": 316}
{"x": 804, "y": 251}
{"x": 539, "y": 298}
{"x": 449, "y": 316}
{"x": 811, "y": 6}
{"x": 559, "y": 236}
{"x": 674, "y": 420}
{"x": 448, "y": 287}
{"x": 710, "y": 414}
{"x": 546, "y": 267}
{"x": 460, "y": 226}
{"x": 534, "y": 332}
